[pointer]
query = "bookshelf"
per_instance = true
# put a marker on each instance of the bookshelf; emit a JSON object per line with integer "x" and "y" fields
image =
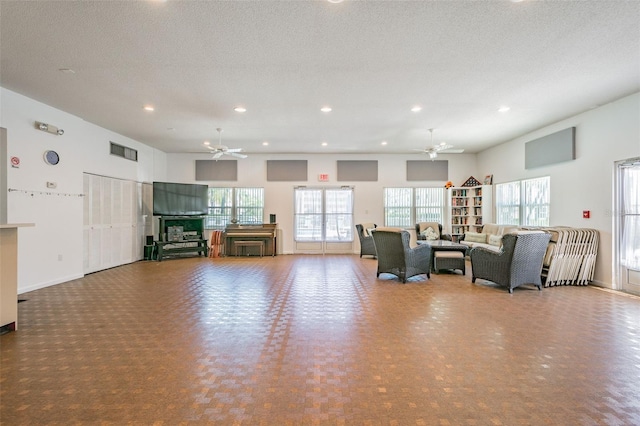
{"x": 470, "y": 208}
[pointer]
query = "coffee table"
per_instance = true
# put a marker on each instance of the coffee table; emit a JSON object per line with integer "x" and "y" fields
{"x": 442, "y": 245}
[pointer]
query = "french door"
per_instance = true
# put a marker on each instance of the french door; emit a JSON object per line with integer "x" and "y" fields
{"x": 628, "y": 225}
{"x": 323, "y": 220}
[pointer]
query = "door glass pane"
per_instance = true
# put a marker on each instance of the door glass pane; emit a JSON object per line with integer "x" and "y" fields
{"x": 308, "y": 214}
{"x": 339, "y": 215}
{"x": 630, "y": 247}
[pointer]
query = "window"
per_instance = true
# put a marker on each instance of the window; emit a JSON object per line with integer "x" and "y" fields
{"x": 246, "y": 205}
{"x": 524, "y": 203}
{"x": 508, "y": 203}
{"x": 536, "y": 201}
{"x": 323, "y": 214}
{"x": 404, "y": 207}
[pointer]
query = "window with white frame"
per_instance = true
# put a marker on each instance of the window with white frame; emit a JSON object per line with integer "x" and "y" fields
{"x": 404, "y": 207}
{"x": 524, "y": 203}
{"x": 536, "y": 197}
{"x": 246, "y": 205}
{"x": 508, "y": 203}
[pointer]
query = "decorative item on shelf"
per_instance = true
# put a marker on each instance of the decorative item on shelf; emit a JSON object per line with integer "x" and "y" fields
{"x": 448, "y": 185}
{"x": 471, "y": 182}
{"x": 488, "y": 180}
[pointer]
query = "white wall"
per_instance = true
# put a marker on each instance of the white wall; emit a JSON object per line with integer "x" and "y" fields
{"x": 279, "y": 195}
{"x": 58, "y": 213}
{"x": 603, "y": 136}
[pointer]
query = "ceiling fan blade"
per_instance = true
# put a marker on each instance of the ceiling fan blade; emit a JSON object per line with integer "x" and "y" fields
{"x": 234, "y": 150}
{"x": 452, "y": 151}
{"x": 441, "y": 147}
{"x": 235, "y": 154}
{"x": 217, "y": 155}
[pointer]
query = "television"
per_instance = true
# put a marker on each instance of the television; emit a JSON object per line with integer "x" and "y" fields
{"x": 179, "y": 199}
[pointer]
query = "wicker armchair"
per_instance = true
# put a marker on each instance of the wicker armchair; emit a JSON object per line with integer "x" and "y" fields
{"x": 421, "y": 226}
{"x": 397, "y": 258}
{"x": 367, "y": 247}
{"x": 518, "y": 262}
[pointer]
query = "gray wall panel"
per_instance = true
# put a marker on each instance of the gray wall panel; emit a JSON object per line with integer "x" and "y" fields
{"x": 554, "y": 148}
{"x": 212, "y": 170}
{"x": 287, "y": 170}
{"x": 358, "y": 171}
{"x": 418, "y": 170}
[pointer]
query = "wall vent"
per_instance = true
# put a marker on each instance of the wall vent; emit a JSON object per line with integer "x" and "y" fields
{"x": 124, "y": 152}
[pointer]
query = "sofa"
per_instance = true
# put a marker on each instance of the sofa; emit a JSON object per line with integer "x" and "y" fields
{"x": 490, "y": 237}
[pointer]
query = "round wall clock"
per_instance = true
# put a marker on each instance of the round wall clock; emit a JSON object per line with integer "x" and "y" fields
{"x": 51, "y": 157}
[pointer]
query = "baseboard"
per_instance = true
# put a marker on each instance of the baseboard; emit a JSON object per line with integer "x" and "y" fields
{"x": 38, "y": 286}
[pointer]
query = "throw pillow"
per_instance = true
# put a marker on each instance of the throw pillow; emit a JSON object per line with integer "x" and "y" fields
{"x": 495, "y": 240}
{"x": 429, "y": 234}
{"x": 474, "y": 237}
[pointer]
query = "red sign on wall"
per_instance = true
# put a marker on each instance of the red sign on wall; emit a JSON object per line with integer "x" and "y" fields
{"x": 323, "y": 177}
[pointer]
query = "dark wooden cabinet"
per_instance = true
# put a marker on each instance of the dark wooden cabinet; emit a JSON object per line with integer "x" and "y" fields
{"x": 181, "y": 234}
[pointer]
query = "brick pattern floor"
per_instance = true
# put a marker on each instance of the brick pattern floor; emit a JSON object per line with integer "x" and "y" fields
{"x": 315, "y": 340}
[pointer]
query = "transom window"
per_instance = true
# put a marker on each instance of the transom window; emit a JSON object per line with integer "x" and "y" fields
{"x": 524, "y": 202}
{"x": 245, "y": 205}
{"x": 404, "y": 207}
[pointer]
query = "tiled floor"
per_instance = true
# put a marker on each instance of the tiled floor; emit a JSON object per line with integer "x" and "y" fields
{"x": 306, "y": 340}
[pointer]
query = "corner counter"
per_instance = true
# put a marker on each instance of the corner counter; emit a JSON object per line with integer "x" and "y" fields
{"x": 9, "y": 274}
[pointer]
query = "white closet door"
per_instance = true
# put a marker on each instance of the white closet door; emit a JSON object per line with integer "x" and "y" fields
{"x": 93, "y": 225}
{"x": 126, "y": 225}
{"x": 112, "y": 210}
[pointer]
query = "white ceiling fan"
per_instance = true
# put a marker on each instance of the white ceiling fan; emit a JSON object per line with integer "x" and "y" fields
{"x": 220, "y": 150}
{"x": 442, "y": 147}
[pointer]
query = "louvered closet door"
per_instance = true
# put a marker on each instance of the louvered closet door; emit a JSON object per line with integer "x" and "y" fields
{"x": 111, "y": 216}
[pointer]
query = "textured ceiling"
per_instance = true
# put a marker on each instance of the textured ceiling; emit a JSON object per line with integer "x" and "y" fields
{"x": 371, "y": 61}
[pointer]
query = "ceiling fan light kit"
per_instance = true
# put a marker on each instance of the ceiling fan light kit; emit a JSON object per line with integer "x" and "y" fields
{"x": 433, "y": 150}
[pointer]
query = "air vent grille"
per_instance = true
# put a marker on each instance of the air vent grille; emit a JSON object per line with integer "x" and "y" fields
{"x": 124, "y": 152}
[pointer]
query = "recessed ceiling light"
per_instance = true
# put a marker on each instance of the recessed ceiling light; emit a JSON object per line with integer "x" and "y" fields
{"x": 504, "y": 109}
{"x": 265, "y": 143}
{"x": 335, "y": 1}
{"x": 383, "y": 143}
{"x": 206, "y": 143}
{"x": 416, "y": 108}
{"x": 148, "y": 108}
{"x": 324, "y": 144}
{"x": 326, "y": 109}
{"x": 240, "y": 109}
